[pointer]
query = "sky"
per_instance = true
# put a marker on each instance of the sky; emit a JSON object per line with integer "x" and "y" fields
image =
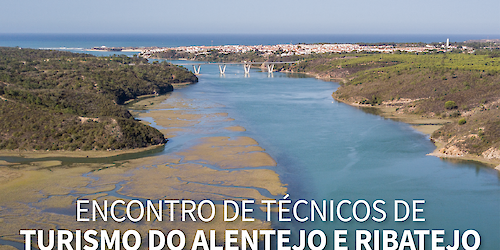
{"x": 251, "y": 17}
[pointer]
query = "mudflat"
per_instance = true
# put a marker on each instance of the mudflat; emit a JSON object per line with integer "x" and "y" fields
{"x": 42, "y": 194}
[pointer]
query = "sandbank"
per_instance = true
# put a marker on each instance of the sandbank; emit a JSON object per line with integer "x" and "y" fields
{"x": 236, "y": 128}
{"x": 229, "y": 153}
{"x": 6, "y": 163}
{"x": 145, "y": 102}
{"x": 181, "y": 84}
{"x": 172, "y": 132}
{"x": 195, "y": 181}
{"x": 37, "y": 154}
{"x": 33, "y": 195}
{"x": 132, "y": 50}
{"x": 6, "y": 247}
{"x": 42, "y": 195}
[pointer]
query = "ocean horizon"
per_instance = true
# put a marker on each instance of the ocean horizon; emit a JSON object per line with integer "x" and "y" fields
{"x": 85, "y": 41}
{"x": 322, "y": 149}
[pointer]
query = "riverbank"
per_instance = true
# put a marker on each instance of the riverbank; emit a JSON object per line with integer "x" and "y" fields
{"x": 424, "y": 125}
{"x": 38, "y": 154}
{"x": 387, "y": 110}
{"x": 208, "y": 157}
{"x": 61, "y": 112}
{"x": 451, "y": 97}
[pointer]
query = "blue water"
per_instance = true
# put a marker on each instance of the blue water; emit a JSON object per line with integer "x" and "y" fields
{"x": 82, "y": 41}
{"x": 329, "y": 150}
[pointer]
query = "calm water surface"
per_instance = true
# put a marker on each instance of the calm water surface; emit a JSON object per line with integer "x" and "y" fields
{"x": 329, "y": 150}
{"x": 79, "y": 41}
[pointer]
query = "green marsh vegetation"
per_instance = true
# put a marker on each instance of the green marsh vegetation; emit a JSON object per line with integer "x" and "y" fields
{"x": 54, "y": 100}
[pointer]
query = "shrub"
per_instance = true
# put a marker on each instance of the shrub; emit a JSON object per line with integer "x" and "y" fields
{"x": 462, "y": 121}
{"x": 455, "y": 114}
{"x": 450, "y": 105}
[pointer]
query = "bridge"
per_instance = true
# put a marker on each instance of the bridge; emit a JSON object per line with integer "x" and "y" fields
{"x": 222, "y": 66}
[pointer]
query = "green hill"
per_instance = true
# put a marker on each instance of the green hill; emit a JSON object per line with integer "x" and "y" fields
{"x": 461, "y": 88}
{"x": 54, "y": 100}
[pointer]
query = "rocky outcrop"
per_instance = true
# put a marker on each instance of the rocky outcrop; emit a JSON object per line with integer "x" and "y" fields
{"x": 492, "y": 154}
{"x": 452, "y": 151}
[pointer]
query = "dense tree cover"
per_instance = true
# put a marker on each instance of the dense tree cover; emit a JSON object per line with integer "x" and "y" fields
{"x": 30, "y": 127}
{"x": 68, "y": 101}
{"x": 120, "y": 77}
{"x": 54, "y": 100}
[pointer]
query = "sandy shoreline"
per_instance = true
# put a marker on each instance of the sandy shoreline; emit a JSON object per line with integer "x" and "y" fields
{"x": 111, "y": 50}
{"x": 74, "y": 154}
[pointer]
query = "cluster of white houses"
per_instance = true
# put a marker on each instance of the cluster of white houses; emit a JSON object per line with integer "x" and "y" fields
{"x": 297, "y": 49}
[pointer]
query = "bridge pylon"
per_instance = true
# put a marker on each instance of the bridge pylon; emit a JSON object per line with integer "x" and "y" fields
{"x": 197, "y": 70}
{"x": 247, "y": 67}
{"x": 222, "y": 69}
{"x": 270, "y": 67}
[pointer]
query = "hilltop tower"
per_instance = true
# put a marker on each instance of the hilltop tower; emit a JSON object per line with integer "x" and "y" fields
{"x": 447, "y": 43}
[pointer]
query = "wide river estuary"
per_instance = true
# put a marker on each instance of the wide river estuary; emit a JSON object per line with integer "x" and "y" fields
{"x": 329, "y": 150}
{"x": 321, "y": 149}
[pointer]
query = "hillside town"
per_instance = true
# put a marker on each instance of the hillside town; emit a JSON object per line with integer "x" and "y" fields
{"x": 469, "y": 46}
{"x": 301, "y": 49}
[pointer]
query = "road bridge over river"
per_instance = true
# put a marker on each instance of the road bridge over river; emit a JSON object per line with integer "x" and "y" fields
{"x": 222, "y": 66}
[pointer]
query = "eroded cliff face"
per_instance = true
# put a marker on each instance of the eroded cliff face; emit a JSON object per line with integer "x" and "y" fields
{"x": 470, "y": 135}
{"x": 334, "y": 74}
{"x": 455, "y": 149}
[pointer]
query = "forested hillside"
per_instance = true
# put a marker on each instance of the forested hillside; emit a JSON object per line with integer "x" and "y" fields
{"x": 54, "y": 100}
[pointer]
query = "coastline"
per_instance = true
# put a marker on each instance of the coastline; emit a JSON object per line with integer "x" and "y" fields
{"x": 111, "y": 50}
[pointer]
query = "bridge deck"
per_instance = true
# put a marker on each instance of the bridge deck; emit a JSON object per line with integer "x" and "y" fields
{"x": 232, "y": 63}
{"x": 222, "y": 65}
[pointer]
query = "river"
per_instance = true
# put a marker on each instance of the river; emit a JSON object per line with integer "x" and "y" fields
{"x": 326, "y": 150}
{"x": 329, "y": 150}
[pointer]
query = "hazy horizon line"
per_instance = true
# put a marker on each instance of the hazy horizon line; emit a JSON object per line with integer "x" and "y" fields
{"x": 197, "y": 33}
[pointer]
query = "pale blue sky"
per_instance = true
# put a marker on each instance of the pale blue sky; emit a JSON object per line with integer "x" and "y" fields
{"x": 256, "y": 17}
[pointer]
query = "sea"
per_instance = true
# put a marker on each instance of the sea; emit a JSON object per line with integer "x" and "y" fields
{"x": 326, "y": 150}
{"x": 79, "y": 42}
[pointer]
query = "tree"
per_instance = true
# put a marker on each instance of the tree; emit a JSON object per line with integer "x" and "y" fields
{"x": 450, "y": 105}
